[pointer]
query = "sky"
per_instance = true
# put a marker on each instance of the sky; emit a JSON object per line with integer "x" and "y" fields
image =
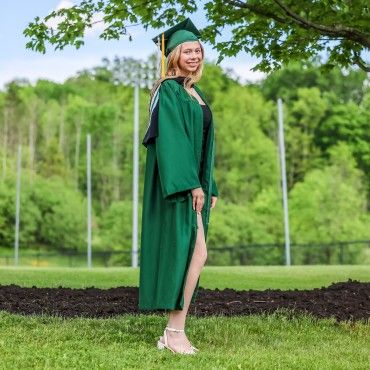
{"x": 18, "y": 62}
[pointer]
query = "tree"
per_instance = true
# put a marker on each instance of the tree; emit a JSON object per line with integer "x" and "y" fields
{"x": 32, "y": 104}
{"x": 349, "y": 123}
{"x": 77, "y": 111}
{"x": 277, "y": 31}
{"x": 303, "y": 118}
{"x": 246, "y": 158}
{"x": 284, "y": 84}
{"x": 330, "y": 206}
{"x": 52, "y": 162}
{"x": 115, "y": 229}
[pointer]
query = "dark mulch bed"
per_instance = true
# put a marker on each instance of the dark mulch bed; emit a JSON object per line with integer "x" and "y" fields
{"x": 345, "y": 301}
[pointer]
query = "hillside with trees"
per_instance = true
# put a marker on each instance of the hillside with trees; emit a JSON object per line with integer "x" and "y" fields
{"x": 327, "y": 133}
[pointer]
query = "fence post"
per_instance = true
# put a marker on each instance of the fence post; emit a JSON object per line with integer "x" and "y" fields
{"x": 88, "y": 174}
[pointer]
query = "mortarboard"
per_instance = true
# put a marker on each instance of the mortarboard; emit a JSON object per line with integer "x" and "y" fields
{"x": 174, "y": 36}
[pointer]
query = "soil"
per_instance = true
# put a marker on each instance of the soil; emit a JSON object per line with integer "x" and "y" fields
{"x": 344, "y": 301}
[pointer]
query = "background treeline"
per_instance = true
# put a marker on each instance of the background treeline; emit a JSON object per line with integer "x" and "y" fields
{"x": 327, "y": 127}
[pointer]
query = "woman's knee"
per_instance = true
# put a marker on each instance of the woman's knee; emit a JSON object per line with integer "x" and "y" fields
{"x": 201, "y": 243}
{"x": 202, "y": 253}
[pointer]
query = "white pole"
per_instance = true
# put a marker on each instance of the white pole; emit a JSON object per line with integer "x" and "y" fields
{"x": 88, "y": 159}
{"x": 284, "y": 183}
{"x": 135, "y": 185}
{"x": 17, "y": 206}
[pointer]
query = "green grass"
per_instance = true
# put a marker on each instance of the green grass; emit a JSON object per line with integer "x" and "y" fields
{"x": 237, "y": 277}
{"x": 254, "y": 342}
{"x": 277, "y": 341}
{"x": 42, "y": 257}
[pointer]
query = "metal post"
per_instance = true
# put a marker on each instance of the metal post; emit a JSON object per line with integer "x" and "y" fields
{"x": 17, "y": 206}
{"x": 135, "y": 187}
{"x": 284, "y": 183}
{"x": 88, "y": 169}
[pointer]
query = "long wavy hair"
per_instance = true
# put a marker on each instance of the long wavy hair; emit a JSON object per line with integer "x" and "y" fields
{"x": 173, "y": 70}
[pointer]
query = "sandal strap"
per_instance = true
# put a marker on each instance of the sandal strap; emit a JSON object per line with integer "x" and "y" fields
{"x": 173, "y": 329}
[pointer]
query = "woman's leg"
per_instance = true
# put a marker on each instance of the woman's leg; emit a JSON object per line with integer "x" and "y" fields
{"x": 177, "y": 317}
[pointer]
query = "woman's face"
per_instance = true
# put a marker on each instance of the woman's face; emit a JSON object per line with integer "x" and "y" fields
{"x": 190, "y": 57}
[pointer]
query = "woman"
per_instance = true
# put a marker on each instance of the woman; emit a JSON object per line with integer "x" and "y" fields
{"x": 179, "y": 188}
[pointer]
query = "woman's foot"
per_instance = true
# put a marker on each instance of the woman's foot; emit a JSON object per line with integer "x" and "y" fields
{"x": 178, "y": 341}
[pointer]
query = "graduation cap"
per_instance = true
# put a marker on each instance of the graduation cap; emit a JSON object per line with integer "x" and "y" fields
{"x": 174, "y": 36}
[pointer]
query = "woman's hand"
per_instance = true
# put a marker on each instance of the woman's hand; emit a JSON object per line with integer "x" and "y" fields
{"x": 198, "y": 199}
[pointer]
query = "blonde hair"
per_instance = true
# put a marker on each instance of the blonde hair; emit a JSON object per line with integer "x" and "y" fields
{"x": 173, "y": 70}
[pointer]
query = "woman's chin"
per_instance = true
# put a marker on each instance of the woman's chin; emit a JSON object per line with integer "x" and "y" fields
{"x": 191, "y": 69}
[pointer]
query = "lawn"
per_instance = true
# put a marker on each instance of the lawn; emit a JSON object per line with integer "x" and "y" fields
{"x": 237, "y": 277}
{"x": 275, "y": 341}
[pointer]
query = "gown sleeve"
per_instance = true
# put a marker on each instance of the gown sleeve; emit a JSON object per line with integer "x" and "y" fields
{"x": 177, "y": 164}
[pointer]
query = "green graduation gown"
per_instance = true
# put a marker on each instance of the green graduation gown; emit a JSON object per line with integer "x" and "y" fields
{"x": 169, "y": 223}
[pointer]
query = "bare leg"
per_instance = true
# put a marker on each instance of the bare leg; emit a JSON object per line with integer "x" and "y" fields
{"x": 177, "y": 318}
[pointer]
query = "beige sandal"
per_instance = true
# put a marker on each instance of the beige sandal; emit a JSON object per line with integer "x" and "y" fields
{"x": 161, "y": 345}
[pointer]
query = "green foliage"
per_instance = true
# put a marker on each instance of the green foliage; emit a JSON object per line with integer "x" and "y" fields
{"x": 115, "y": 230}
{"x": 52, "y": 161}
{"x": 30, "y": 215}
{"x": 63, "y": 214}
{"x": 267, "y": 216}
{"x": 345, "y": 85}
{"x": 329, "y": 206}
{"x": 277, "y": 31}
{"x": 245, "y": 158}
{"x": 51, "y": 215}
{"x": 349, "y": 123}
{"x": 218, "y": 82}
{"x": 303, "y": 118}
{"x": 230, "y": 225}
{"x": 328, "y": 163}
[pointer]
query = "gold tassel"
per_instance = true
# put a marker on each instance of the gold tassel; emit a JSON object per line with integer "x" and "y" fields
{"x": 160, "y": 63}
{"x": 163, "y": 66}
